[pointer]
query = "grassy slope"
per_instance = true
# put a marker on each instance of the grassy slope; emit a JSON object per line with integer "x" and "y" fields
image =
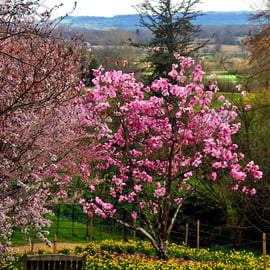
{"x": 81, "y": 233}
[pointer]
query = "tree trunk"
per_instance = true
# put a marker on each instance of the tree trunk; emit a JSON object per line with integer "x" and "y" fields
{"x": 163, "y": 250}
{"x": 159, "y": 242}
{"x": 237, "y": 238}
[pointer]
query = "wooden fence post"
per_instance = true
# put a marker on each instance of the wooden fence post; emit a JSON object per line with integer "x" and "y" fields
{"x": 124, "y": 227}
{"x": 186, "y": 236}
{"x": 54, "y": 244}
{"x": 58, "y": 218}
{"x": 73, "y": 217}
{"x": 33, "y": 240}
{"x": 264, "y": 250}
{"x": 198, "y": 234}
{"x": 91, "y": 228}
{"x": 134, "y": 231}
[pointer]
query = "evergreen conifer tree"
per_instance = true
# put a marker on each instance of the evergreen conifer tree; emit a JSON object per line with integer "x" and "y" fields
{"x": 171, "y": 24}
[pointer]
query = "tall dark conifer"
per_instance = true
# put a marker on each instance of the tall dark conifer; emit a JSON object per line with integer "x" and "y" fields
{"x": 171, "y": 24}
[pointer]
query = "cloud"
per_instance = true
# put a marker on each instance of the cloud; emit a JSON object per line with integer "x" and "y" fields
{"x": 109, "y": 8}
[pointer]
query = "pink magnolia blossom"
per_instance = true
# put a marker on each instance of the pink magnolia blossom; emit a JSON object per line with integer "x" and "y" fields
{"x": 173, "y": 73}
{"x": 156, "y": 148}
{"x": 90, "y": 214}
{"x": 238, "y": 87}
{"x": 257, "y": 174}
{"x": 214, "y": 176}
{"x": 221, "y": 98}
{"x": 178, "y": 200}
{"x": 92, "y": 188}
{"x": 134, "y": 215}
{"x": 142, "y": 204}
{"x": 160, "y": 192}
{"x": 243, "y": 93}
{"x": 245, "y": 190}
{"x": 137, "y": 188}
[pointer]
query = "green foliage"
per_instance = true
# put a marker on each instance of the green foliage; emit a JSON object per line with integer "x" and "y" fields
{"x": 172, "y": 30}
{"x": 254, "y": 138}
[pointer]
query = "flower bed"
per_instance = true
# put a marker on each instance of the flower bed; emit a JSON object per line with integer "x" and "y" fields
{"x": 118, "y": 255}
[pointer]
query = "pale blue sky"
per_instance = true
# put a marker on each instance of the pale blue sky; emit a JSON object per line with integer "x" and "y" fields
{"x": 110, "y": 8}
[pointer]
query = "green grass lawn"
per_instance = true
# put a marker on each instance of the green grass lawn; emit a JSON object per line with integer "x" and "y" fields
{"x": 71, "y": 232}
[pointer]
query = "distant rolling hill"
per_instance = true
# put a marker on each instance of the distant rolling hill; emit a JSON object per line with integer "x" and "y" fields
{"x": 132, "y": 21}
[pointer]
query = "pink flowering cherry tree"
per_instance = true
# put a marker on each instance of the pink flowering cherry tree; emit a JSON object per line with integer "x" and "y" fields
{"x": 39, "y": 120}
{"x": 157, "y": 144}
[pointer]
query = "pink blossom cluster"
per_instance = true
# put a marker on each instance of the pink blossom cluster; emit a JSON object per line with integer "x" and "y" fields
{"x": 98, "y": 207}
{"x": 157, "y": 146}
{"x": 39, "y": 118}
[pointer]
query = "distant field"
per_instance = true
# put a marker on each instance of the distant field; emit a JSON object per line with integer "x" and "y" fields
{"x": 224, "y": 48}
{"x": 210, "y": 47}
{"x": 223, "y": 77}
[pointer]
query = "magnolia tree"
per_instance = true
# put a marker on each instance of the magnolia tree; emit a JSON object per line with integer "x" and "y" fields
{"x": 38, "y": 116}
{"x": 157, "y": 144}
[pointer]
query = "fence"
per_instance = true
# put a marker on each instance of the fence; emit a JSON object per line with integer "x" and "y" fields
{"x": 216, "y": 236}
{"x": 72, "y": 222}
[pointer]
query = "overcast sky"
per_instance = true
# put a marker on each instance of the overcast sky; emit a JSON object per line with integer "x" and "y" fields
{"x": 109, "y": 8}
